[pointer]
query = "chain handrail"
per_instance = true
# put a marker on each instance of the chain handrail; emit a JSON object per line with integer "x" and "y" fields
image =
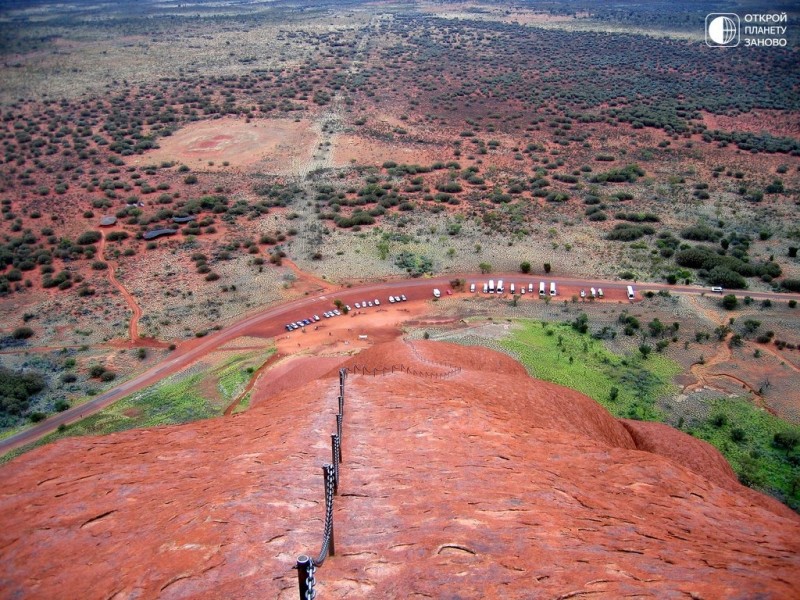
{"x": 401, "y": 368}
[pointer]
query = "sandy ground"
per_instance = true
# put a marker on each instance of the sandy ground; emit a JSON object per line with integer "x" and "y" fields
{"x": 271, "y": 145}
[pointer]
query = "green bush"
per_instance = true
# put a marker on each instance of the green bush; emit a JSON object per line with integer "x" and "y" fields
{"x": 89, "y": 237}
{"x": 22, "y": 333}
{"x": 729, "y": 302}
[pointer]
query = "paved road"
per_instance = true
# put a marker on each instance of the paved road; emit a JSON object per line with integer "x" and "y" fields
{"x": 270, "y": 322}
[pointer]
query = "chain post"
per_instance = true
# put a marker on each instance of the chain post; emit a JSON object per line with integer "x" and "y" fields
{"x": 335, "y": 461}
{"x": 339, "y": 431}
{"x": 305, "y": 577}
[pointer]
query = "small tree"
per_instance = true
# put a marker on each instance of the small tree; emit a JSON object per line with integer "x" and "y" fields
{"x": 485, "y": 267}
{"x": 22, "y": 333}
{"x": 645, "y": 350}
{"x": 729, "y": 302}
{"x": 525, "y": 267}
{"x": 547, "y": 267}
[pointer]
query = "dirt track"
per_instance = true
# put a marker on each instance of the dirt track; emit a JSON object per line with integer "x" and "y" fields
{"x": 270, "y": 323}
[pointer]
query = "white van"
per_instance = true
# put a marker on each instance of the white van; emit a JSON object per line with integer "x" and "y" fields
{"x": 499, "y": 286}
{"x": 472, "y": 288}
{"x": 599, "y": 292}
{"x": 593, "y": 292}
{"x": 491, "y": 286}
{"x": 512, "y": 288}
{"x": 553, "y": 288}
{"x": 717, "y": 289}
{"x": 436, "y": 293}
{"x": 631, "y": 293}
{"x": 530, "y": 288}
{"x": 485, "y": 288}
{"x": 541, "y": 288}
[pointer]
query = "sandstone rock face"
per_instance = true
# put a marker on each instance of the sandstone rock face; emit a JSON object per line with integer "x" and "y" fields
{"x": 483, "y": 484}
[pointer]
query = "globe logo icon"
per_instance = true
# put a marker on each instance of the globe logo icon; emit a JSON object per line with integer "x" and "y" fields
{"x": 722, "y": 30}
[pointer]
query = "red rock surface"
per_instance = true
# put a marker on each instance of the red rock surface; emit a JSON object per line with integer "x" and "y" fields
{"x": 484, "y": 484}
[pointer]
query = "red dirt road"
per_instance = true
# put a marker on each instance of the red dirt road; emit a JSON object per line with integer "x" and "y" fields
{"x": 270, "y": 323}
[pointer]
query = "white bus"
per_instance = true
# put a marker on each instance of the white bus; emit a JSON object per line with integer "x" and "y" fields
{"x": 491, "y": 286}
{"x": 512, "y": 289}
{"x": 541, "y": 288}
{"x": 500, "y": 286}
{"x": 553, "y": 288}
{"x": 631, "y": 293}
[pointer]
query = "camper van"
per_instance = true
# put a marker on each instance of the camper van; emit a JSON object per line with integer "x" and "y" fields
{"x": 436, "y": 293}
{"x": 541, "y": 288}
{"x": 500, "y": 286}
{"x": 530, "y": 288}
{"x": 491, "y": 286}
{"x": 631, "y": 293}
{"x": 599, "y": 292}
{"x": 472, "y": 288}
{"x": 512, "y": 289}
{"x": 553, "y": 288}
{"x": 593, "y": 292}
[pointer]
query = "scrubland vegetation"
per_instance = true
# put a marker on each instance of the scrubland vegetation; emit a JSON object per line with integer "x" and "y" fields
{"x": 388, "y": 141}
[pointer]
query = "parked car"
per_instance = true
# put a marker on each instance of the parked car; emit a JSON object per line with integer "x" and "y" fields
{"x": 403, "y": 297}
{"x": 336, "y": 312}
{"x": 369, "y": 303}
{"x": 358, "y": 305}
{"x": 316, "y": 317}
{"x": 289, "y": 327}
{"x": 391, "y": 299}
{"x": 377, "y": 302}
{"x": 717, "y": 289}
{"x": 583, "y": 293}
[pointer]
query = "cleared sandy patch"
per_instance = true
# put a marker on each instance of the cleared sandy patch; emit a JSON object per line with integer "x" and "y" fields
{"x": 350, "y": 149}
{"x": 274, "y": 145}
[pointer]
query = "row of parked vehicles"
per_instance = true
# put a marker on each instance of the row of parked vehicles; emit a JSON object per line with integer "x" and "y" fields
{"x": 336, "y": 312}
{"x": 489, "y": 287}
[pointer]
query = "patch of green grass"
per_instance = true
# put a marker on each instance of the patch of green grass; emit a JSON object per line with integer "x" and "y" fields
{"x": 244, "y": 404}
{"x": 756, "y": 459}
{"x": 557, "y": 353}
{"x": 176, "y": 399}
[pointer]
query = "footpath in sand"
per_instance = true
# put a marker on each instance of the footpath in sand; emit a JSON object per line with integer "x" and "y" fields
{"x": 484, "y": 483}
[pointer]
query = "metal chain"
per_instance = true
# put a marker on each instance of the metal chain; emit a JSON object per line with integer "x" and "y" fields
{"x": 323, "y": 554}
{"x": 311, "y": 582}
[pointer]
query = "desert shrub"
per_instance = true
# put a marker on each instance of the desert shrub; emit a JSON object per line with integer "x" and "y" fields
{"x": 701, "y": 233}
{"x": 22, "y": 333}
{"x": 793, "y": 285}
{"x": 628, "y": 174}
{"x": 89, "y": 237}
{"x": 724, "y": 277}
{"x": 16, "y": 390}
{"x": 626, "y": 232}
{"x": 729, "y": 302}
{"x": 117, "y": 236}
